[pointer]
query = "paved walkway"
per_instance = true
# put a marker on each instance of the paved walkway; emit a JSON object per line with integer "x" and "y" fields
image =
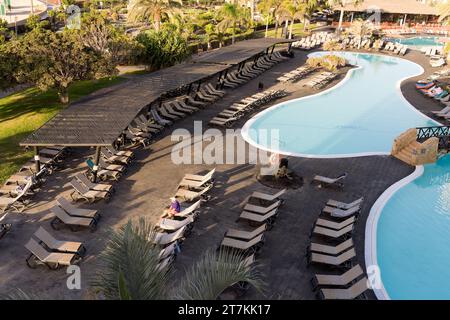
{"x": 153, "y": 178}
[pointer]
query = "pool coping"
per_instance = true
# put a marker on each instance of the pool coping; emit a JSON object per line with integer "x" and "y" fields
{"x": 370, "y": 242}
{"x": 247, "y": 125}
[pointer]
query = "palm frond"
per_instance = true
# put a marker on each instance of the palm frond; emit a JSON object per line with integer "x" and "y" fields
{"x": 132, "y": 260}
{"x": 214, "y": 273}
{"x": 19, "y": 294}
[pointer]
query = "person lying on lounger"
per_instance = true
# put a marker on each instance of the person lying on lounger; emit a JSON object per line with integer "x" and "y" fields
{"x": 174, "y": 208}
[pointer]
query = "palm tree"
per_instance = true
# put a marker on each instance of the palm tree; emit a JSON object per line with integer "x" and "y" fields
{"x": 444, "y": 11}
{"x": 297, "y": 9}
{"x": 152, "y": 9}
{"x": 274, "y": 8}
{"x": 361, "y": 29}
{"x": 232, "y": 16}
{"x": 341, "y": 4}
{"x": 129, "y": 270}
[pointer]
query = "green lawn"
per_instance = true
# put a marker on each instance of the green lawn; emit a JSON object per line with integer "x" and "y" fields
{"x": 23, "y": 112}
{"x": 297, "y": 31}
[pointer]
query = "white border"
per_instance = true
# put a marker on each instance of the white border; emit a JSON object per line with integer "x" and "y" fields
{"x": 245, "y": 129}
{"x": 370, "y": 246}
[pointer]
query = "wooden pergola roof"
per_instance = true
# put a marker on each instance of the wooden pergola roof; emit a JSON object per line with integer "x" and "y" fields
{"x": 99, "y": 119}
{"x": 239, "y": 52}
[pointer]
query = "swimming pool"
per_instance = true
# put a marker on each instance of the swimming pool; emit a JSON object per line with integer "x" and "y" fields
{"x": 419, "y": 42}
{"x": 360, "y": 116}
{"x": 408, "y": 236}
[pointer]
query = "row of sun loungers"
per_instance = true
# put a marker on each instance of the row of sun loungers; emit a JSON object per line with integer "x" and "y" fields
{"x": 312, "y": 41}
{"x": 171, "y": 231}
{"x": 334, "y": 248}
{"x": 20, "y": 187}
{"x": 434, "y": 90}
{"x": 227, "y": 117}
{"x": 296, "y": 74}
{"x": 252, "y": 70}
{"x": 250, "y": 242}
{"x": 321, "y": 80}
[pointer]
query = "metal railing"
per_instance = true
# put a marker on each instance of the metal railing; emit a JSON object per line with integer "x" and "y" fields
{"x": 441, "y": 132}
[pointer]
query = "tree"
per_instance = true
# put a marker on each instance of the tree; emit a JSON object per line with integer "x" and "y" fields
{"x": 129, "y": 270}
{"x": 54, "y": 60}
{"x": 8, "y": 66}
{"x": 361, "y": 29}
{"x": 341, "y": 4}
{"x": 232, "y": 16}
{"x": 444, "y": 11}
{"x": 151, "y": 9}
{"x": 162, "y": 48}
{"x": 273, "y": 7}
{"x": 4, "y": 31}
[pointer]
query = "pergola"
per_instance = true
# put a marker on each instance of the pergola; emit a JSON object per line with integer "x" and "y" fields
{"x": 101, "y": 118}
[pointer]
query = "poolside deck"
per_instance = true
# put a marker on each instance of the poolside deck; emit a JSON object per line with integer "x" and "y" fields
{"x": 153, "y": 178}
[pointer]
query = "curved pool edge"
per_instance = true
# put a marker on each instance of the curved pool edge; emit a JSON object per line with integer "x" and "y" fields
{"x": 370, "y": 242}
{"x": 245, "y": 128}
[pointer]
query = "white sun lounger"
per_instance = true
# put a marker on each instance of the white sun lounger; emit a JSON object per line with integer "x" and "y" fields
{"x": 171, "y": 224}
{"x": 260, "y": 209}
{"x": 163, "y": 238}
{"x": 341, "y": 213}
{"x": 343, "y": 205}
{"x": 243, "y": 245}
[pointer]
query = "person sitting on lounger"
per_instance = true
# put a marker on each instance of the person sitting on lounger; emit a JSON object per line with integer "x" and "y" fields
{"x": 174, "y": 208}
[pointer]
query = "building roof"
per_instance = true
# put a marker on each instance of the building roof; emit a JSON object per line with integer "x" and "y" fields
{"x": 100, "y": 118}
{"x": 393, "y": 6}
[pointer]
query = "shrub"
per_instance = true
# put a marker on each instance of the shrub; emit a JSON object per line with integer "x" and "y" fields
{"x": 162, "y": 48}
{"x": 332, "y": 45}
{"x": 329, "y": 62}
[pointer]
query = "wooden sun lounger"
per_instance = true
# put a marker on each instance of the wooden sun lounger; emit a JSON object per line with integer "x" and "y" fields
{"x": 125, "y": 153}
{"x": 259, "y": 218}
{"x": 83, "y": 193}
{"x": 71, "y": 210}
{"x": 339, "y": 260}
{"x": 181, "y": 105}
{"x": 93, "y": 186}
{"x": 52, "y": 259}
{"x": 59, "y": 245}
{"x": 252, "y": 245}
{"x": 330, "y": 181}
{"x": 337, "y": 280}
{"x": 161, "y": 121}
{"x": 168, "y": 115}
{"x": 335, "y": 225}
{"x": 115, "y": 159}
{"x": 260, "y": 209}
{"x": 335, "y": 234}
{"x": 74, "y": 223}
{"x": 353, "y": 292}
{"x": 268, "y": 197}
{"x": 332, "y": 250}
{"x": 343, "y": 205}
{"x": 104, "y": 174}
{"x": 245, "y": 235}
{"x": 340, "y": 213}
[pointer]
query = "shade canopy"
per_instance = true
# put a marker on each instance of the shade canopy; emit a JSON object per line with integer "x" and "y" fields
{"x": 100, "y": 118}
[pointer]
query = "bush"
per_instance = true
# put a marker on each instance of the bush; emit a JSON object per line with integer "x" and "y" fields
{"x": 332, "y": 45}
{"x": 329, "y": 62}
{"x": 162, "y": 48}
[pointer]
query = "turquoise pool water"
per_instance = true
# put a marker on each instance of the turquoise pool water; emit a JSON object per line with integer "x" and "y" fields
{"x": 413, "y": 237}
{"x": 361, "y": 116}
{"x": 419, "y": 42}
